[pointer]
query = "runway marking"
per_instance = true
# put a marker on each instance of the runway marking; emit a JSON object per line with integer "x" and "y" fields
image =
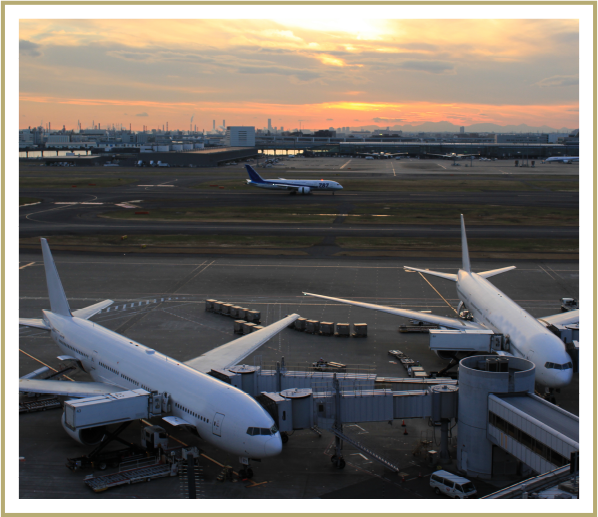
{"x": 345, "y": 164}
{"x": 452, "y": 308}
{"x": 441, "y": 166}
{"x": 505, "y": 172}
{"x": 41, "y": 362}
{"x": 547, "y": 273}
{"x": 27, "y": 265}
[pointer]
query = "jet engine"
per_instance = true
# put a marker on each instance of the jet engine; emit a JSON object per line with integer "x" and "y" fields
{"x": 89, "y": 436}
{"x": 303, "y": 190}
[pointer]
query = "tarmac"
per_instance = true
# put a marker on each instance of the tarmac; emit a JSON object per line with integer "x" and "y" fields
{"x": 180, "y": 327}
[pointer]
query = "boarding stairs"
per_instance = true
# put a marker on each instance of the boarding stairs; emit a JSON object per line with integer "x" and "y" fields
{"x": 368, "y": 452}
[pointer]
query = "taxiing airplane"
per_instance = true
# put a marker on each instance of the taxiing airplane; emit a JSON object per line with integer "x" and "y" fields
{"x": 564, "y": 159}
{"x": 493, "y": 310}
{"x": 380, "y": 155}
{"x": 294, "y": 186}
{"x": 452, "y": 156}
{"x": 222, "y": 415}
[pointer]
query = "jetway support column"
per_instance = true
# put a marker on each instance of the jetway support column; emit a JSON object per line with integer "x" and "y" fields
{"x": 337, "y": 459}
{"x": 445, "y": 456}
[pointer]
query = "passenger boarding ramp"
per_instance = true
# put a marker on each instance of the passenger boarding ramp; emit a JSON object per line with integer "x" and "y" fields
{"x": 536, "y": 432}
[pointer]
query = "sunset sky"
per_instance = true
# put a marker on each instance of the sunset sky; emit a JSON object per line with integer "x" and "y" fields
{"x": 324, "y": 73}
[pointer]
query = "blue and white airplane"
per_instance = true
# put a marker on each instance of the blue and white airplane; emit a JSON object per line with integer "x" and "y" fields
{"x": 564, "y": 159}
{"x": 491, "y": 309}
{"x": 294, "y": 186}
{"x": 222, "y": 415}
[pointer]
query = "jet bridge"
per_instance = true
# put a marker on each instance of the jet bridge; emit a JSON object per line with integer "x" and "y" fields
{"x": 536, "y": 432}
{"x": 113, "y": 408}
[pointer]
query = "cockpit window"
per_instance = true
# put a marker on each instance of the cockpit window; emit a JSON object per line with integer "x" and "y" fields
{"x": 256, "y": 431}
{"x": 555, "y": 366}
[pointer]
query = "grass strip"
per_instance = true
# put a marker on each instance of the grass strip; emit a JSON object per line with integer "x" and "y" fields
{"x": 28, "y": 200}
{"x": 448, "y": 244}
{"x": 179, "y": 241}
{"x": 438, "y": 214}
{"x": 86, "y": 182}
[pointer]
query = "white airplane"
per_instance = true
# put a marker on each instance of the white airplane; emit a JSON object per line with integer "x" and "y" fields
{"x": 564, "y": 159}
{"x": 453, "y": 156}
{"x": 381, "y": 155}
{"x": 294, "y": 186}
{"x": 493, "y": 310}
{"x": 223, "y": 415}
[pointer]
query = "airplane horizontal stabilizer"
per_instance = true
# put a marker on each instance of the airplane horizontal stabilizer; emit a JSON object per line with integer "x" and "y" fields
{"x": 88, "y": 312}
{"x": 448, "y": 276}
{"x": 494, "y": 272}
{"x": 68, "y": 389}
{"x": 235, "y": 351}
{"x": 563, "y": 318}
{"x": 452, "y": 323}
{"x": 33, "y": 322}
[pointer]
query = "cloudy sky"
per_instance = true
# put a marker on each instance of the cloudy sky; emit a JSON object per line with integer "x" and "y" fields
{"x": 324, "y": 73}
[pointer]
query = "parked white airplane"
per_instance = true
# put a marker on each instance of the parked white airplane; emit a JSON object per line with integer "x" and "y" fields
{"x": 453, "y": 156}
{"x": 223, "y": 415}
{"x": 380, "y": 155}
{"x": 564, "y": 159}
{"x": 294, "y": 186}
{"x": 493, "y": 310}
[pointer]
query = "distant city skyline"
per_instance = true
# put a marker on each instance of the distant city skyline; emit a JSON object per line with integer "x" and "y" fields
{"x": 302, "y": 73}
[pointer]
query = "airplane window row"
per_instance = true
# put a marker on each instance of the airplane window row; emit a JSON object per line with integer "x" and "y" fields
{"x": 256, "y": 431}
{"x": 109, "y": 368}
{"x": 72, "y": 348}
{"x": 196, "y": 415}
{"x": 129, "y": 379}
{"x": 555, "y": 366}
{"x": 146, "y": 388}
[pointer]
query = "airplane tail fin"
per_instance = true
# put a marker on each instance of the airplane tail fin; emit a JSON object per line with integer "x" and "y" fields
{"x": 58, "y": 301}
{"x": 465, "y": 250}
{"x": 253, "y": 175}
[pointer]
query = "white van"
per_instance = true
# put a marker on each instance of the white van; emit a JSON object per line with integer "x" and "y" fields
{"x": 443, "y": 482}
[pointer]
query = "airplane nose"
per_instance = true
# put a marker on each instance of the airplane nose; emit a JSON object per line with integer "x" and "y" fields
{"x": 273, "y": 446}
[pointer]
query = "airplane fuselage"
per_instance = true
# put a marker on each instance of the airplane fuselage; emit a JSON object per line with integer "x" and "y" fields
{"x": 528, "y": 338}
{"x": 221, "y": 413}
{"x": 312, "y": 185}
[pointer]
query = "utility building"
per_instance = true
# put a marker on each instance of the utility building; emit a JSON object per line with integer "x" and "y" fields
{"x": 240, "y": 136}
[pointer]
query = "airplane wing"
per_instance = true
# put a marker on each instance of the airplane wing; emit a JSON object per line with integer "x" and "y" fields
{"x": 235, "y": 351}
{"x": 88, "y": 312}
{"x": 493, "y": 272}
{"x": 68, "y": 389}
{"x": 563, "y": 318}
{"x": 453, "y": 323}
{"x": 447, "y": 276}
{"x": 33, "y": 322}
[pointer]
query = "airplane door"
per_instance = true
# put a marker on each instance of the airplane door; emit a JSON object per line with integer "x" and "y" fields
{"x": 217, "y": 424}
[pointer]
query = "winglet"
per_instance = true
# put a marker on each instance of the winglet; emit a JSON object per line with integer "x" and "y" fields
{"x": 58, "y": 301}
{"x": 466, "y": 264}
{"x": 253, "y": 175}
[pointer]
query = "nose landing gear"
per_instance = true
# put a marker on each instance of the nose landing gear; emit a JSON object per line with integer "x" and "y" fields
{"x": 245, "y": 471}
